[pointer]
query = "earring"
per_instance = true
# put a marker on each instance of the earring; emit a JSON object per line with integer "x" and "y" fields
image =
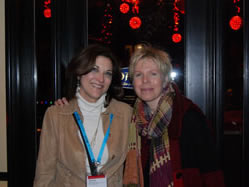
{"x": 78, "y": 85}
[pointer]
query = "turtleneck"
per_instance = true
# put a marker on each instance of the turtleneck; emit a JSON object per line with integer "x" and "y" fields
{"x": 90, "y": 107}
{"x": 93, "y": 125}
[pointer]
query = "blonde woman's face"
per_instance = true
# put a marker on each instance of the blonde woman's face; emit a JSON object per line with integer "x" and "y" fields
{"x": 148, "y": 81}
{"x": 96, "y": 83}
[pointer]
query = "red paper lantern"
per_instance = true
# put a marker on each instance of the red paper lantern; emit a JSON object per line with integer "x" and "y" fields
{"x": 235, "y": 22}
{"x": 124, "y": 8}
{"x": 47, "y": 13}
{"x": 176, "y": 37}
{"x": 135, "y": 22}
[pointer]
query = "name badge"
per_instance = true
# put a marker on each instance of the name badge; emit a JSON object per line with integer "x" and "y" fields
{"x": 96, "y": 181}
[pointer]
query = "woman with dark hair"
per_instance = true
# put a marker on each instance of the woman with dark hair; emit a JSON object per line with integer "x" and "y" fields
{"x": 84, "y": 62}
{"x": 86, "y": 140}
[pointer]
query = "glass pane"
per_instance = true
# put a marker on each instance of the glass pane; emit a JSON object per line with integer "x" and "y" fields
{"x": 117, "y": 23}
{"x": 233, "y": 69}
{"x": 45, "y": 67}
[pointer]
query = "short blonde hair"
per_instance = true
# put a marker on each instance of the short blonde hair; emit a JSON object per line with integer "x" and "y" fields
{"x": 160, "y": 57}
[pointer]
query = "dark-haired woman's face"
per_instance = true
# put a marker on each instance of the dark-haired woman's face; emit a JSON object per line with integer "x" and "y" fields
{"x": 96, "y": 83}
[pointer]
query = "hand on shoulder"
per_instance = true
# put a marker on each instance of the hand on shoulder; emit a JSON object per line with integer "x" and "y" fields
{"x": 61, "y": 102}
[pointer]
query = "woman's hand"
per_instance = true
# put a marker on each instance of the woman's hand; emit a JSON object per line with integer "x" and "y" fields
{"x": 61, "y": 102}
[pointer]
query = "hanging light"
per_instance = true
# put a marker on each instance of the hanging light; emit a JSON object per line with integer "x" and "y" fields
{"x": 135, "y": 22}
{"x": 124, "y": 8}
{"x": 235, "y": 22}
{"x": 176, "y": 37}
{"x": 47, "y": 13}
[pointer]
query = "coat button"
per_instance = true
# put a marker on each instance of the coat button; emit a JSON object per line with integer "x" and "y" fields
{"x": 178, "y": 175}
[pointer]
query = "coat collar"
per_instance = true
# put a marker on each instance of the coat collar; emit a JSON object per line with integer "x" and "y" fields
{"x": 73, "y": 106}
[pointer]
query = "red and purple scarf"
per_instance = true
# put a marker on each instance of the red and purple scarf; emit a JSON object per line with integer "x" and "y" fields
{"x": 154, "y": 127}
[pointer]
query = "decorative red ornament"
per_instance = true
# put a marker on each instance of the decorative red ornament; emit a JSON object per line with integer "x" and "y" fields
{"x": 235, "y": 22}
{"x": 47, "y": 2}
{"x": 124, "y": 8}
{"x": 179, "y": 6}
{"x": 176, "y": 37}
{"x": 135, "y": 22}
{"x": 47, "y": 10}
{"x": 135, "y": 9}
{"x": 47, "y": 13}
{"x": 177, "y": 10}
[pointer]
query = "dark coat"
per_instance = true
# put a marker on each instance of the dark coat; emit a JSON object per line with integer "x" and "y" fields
{"x": 195, "y": 161}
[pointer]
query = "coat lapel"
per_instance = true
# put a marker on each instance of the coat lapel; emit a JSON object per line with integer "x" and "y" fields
{"x": 74, "y": 152}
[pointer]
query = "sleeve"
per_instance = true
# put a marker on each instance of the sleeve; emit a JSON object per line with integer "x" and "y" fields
{"x": 47, "y": 156}
{"x": 198, "y": 149}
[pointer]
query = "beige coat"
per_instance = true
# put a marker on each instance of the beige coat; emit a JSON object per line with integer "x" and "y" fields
{"x": 62, "y": 156}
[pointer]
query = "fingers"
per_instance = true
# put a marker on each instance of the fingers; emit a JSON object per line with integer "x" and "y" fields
{"x": 65, "y": 101}
{"x": 58, "y": 102}
{"x": 61, "y": 102}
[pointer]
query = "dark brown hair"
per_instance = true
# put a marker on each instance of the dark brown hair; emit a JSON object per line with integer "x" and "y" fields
{"x": 84, "y": 62}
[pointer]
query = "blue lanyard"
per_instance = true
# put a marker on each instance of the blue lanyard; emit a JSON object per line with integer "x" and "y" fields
{"x": 88, "y": 146}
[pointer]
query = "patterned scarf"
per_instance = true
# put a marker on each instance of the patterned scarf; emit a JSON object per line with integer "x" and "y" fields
{"x": 155, "y": 128}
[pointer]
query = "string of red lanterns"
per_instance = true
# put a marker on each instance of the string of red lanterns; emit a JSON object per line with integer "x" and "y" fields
{"x": 135, "y": 22}
{"x": 236, "y": 21}
{"x": 47, "y": 11}
{"x": 106, "y": 25}
{"x": 176, "y": 37}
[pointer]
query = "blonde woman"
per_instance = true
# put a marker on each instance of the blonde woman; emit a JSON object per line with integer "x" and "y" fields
{"x": 170, "y": 143}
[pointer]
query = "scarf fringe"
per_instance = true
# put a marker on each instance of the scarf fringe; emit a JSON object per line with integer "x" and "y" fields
{"x": 155, "y": 128}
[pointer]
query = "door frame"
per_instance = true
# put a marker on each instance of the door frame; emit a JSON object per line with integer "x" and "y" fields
{"x": 203, "y": 83}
